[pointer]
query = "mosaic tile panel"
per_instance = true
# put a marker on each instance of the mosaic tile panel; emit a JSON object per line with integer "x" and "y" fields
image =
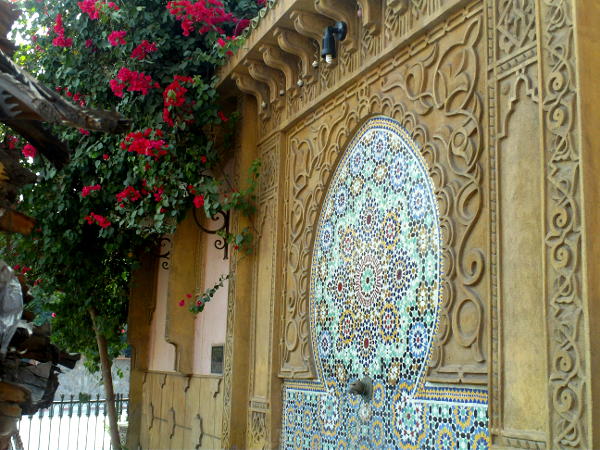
{"x": 375, "y": 288}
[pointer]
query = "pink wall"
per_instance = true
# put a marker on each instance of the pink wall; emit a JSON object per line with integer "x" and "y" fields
{"x": 211, "y": 323}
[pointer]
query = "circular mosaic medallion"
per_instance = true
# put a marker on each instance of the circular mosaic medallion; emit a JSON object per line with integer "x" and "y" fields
{"x": 376, "y": 274}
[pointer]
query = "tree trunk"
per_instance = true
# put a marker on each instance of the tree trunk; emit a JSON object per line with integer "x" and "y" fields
{"x": 105, "y": 364}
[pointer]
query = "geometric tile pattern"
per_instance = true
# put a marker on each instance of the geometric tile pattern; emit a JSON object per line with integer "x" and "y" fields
{"x": 375, "y": 291}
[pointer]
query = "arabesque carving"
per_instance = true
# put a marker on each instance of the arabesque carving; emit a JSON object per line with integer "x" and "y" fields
{"x": 443, "y": 87}
{"x": 566, "y": 333}
{"x": 258, "y": 430}
{"x": 447, "y": 81}
{"x": 515, "y": 26}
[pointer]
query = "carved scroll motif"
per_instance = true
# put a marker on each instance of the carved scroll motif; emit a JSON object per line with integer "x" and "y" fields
{"x": 258, "y": 430}
{"x": 567, "y": 351}
{"x": 445, "y": 82}
{"x": 515, "y": 26}
{"x": 442, "y": 88}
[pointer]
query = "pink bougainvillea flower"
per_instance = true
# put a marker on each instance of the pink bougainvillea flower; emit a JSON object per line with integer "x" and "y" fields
{"x": 176, "y": 106}
{"x": 181, "y": 302}
{"x": 117, "y": 38}
{"x": 89, "y": 7}
{"x": 209, "y": 14}
{"x": 221, "y": 42}
{"x": 105, "y": 157}
{"x": 129, "y": 193}
{"x": 133, "y": 81}
{"x": 143, "y": 144}
{"x": 203, "y": 159}
{"x": 188, "y": 295}
{"x": 87, "y": 190}
{"x": 29, "y": 151}
{"x": 84, "y": 131}
{"x": 11, "y": 141}
{"x": 222, "y": 116}
{"x": 117, "y": 87}
{"x": 102, "y": 221}
{"x": 144, "y": 49}
{"x": 89, "y": 43}
{"x": 58, "y": 25}
{"x": 53, "y": 315}
{"x": 158, "y": 194}
{"x": 93, "y": 7}
{"x": 241, "y": 26}
{"x": 199, "y": 201}
{"x": 60, "y": 40}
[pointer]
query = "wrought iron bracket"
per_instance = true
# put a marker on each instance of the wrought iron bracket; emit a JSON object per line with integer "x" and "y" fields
{"x": 221, "y": 243}
{"x": 164, "y": 252}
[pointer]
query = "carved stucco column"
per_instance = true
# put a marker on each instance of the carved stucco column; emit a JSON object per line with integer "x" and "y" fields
{"x": 237, "y": 346}
{"x": 588, "y": 55}
{"x": 568, "y": 41}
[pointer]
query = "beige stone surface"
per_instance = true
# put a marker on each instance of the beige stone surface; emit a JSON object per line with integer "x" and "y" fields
{"x": 501, "y": 96}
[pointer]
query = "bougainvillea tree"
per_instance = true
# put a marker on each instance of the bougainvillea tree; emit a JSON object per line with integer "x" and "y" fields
{"x": 155, "y": 63}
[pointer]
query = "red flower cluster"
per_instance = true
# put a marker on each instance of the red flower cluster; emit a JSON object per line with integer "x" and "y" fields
{"x": 209, "y": 13}
{"x": 12, "y": 142}
{"x": 174, "y": 97}
{"x": 129, "y": 193}
{"x": 133, "y": 81}
{"x": 158, "y": 194}
{"x": 24, "y": 269}
{"x": 84, "y": 131}
{"x": 117, "y": 38}
{"x": 60, "y": 40}
{"x": 241, "y": 26}
{"x": 29, "y": 151}
{"x": 87, "y": 190}
{"x": 102, "y": 221}
{"x": 198, "y": 201}
{"x": 93, "y": 7}
{"x": 77, "y": 97}
{"x": 143, "y": 49}
{"x": 140, "y": 143}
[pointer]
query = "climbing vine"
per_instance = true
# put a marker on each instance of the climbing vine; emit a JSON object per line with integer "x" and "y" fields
{"x": 155, "y": 63}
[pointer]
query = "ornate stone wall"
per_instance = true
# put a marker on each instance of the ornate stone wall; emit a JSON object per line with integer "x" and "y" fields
{"x": 375, "y": 297}
{"x": 488, "y": 91}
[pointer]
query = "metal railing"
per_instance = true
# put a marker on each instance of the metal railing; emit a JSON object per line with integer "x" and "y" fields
{"x": 72, "y": 423}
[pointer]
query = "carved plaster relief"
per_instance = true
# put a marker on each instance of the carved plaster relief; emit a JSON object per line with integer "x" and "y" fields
{"x": 567, "y": 349}
{"x": 442, "y": 87}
